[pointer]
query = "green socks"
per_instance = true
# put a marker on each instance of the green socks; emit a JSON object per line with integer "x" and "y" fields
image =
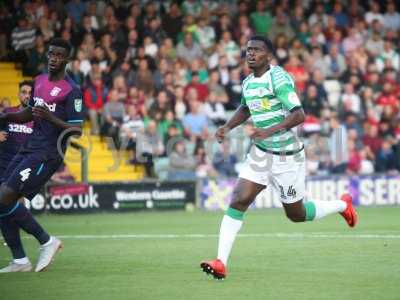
{"x": 310, "y": 210}
{"x": 234, "y": 213}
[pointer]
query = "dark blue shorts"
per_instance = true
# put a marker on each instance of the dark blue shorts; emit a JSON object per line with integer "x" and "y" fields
{"x": 28, "y": 173}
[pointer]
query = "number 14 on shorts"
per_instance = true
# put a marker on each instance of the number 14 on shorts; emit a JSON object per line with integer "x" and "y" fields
{"x": 291, "y": 192}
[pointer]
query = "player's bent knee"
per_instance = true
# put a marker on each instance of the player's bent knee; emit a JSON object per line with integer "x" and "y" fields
{"x": 7, "y": 195}
{"x": 240, "y": 200}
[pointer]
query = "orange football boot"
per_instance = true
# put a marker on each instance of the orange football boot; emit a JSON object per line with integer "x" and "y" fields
{"x": 349, "y": 214}
{"x": 214, "y": 267}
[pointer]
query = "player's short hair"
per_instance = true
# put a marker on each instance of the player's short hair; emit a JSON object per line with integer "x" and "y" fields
{"x": 267, "y": 42}
{"x": 26, "y": 82}
{"x": 59, "y": 42}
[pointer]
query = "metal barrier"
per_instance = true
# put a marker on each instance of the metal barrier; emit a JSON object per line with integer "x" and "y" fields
{"x": 84, "y": 160}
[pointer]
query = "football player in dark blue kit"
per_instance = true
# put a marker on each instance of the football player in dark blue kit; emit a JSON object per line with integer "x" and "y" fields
{"x": 57, "y": 113}
{"x": 11, "y": 139}
{"x": 12, "y": 136}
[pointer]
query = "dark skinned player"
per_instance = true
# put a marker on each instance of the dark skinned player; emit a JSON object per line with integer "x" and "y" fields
{"x": 57, "y": 113}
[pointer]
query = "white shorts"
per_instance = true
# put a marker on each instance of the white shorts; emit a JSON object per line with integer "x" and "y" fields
{"x": 285, "y": 173}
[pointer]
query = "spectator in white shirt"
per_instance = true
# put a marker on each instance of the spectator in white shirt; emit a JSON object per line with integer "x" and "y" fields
{"x": 214, "y": 110}
{"x": 335, "y": 62}
{"x": 318, "y": 16}
{"x": 230, "y": 48}
{"x": 388, "y": 56}
{"x": 189, "y": 50}
{"x": 206, "y": 34}
{"x": 131, "y": 126}
{"x": 350, "y": 100}
{"x": 374, "y": 13}
{"x": 352, "y": 42}
{"x": 391, "y": 19}
{"x": 374, "y": 44}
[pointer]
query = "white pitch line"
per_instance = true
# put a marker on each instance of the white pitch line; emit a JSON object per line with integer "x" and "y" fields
{"x": 310, "y": 235}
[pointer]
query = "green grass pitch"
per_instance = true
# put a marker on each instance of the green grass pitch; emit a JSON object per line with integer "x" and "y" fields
{"x": 154, "y": 255}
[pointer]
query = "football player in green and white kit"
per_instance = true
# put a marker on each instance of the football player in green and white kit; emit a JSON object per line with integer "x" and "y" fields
{"x": 276, "y": 156}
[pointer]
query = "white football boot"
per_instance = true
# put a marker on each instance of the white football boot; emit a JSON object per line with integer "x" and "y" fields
{"x": 14, "y": 267}
{"x": 47, "y": 253}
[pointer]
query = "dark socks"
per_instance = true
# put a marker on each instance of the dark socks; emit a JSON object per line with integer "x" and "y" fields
{"x": 16, "y": 216}
{"x": 10, "y": 231}
{"x": 25, "y": 220}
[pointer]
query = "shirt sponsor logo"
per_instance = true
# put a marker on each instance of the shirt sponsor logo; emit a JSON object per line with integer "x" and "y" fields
{"x": 259, "y": 105}
{"x": 19, "y": 128}
{"x": 40, "y": 102}
{"x": 55, "y": 91}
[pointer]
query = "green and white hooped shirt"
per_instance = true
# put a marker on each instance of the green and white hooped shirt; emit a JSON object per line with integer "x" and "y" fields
{"x": 270, "y": 98}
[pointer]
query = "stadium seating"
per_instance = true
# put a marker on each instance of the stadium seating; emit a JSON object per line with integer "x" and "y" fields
{"x": 104, "y": 164}
{"x": 9, "y": 79}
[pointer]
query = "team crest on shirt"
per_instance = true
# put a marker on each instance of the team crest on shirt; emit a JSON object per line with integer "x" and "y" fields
{"x": 55, "y": 91}
{"x": 78, "y": 105}
{"x": 262, "y": 91}
{"x": 259, "y": 92}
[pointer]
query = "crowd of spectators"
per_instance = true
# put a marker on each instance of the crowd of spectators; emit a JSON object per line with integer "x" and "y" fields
{"x": 173, "y": 69}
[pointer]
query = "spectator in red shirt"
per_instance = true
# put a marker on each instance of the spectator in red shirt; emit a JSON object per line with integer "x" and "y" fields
{"x": 300, "y": 76}
{"x": 95, "y": 96}
{"x": 372, "y": 139}
{"x": 354, "y": 163}
{"x": 202, "y": 89}
{"x": 331, "y": 28}
{"x": 137, "y": 99}
{"x": 388, "y": 97}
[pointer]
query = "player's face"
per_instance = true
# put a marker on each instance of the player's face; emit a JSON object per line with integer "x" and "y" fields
{"x": 256, "y": 54}
{"x": 57, "y": 59}
{"x": 25, "y": 94}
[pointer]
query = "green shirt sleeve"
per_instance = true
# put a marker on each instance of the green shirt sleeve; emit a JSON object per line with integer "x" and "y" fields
{"x": 284, "y": 89}
{"x": 288, "y": 96}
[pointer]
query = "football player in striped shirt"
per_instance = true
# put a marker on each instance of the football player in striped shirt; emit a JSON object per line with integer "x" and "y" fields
{"x": 276, "y": 157}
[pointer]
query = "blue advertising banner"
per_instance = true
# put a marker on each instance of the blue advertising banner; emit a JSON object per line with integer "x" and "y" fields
{"x": 366, "y": 190}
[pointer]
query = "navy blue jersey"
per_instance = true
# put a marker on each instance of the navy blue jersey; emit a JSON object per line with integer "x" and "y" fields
{"x": 17, "y": 135}
{"x": 64, "y": 99}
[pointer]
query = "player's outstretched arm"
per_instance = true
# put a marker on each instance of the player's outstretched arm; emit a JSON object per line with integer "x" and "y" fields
{"x": 295, "y": 118}
{"x": 21, "y": 117}
{"x": 240, "y": 116}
